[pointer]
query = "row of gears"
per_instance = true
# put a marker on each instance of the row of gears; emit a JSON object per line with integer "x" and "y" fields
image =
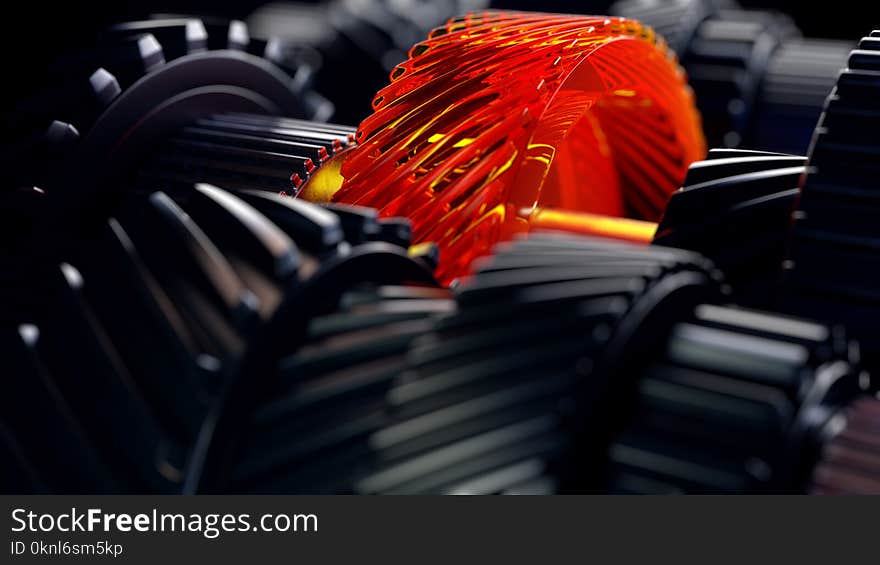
{"x": 209, "y": 289}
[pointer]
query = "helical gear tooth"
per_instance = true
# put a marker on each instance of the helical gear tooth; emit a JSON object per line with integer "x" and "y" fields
{"x": 735, "y": 209}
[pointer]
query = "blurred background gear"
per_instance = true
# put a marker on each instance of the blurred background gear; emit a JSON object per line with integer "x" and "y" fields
{"x": 759, "y": 83}
{"x": 357, "y": 43}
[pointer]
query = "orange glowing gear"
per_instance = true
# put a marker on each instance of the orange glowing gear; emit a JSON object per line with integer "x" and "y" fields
{"x": 501, "y": 117}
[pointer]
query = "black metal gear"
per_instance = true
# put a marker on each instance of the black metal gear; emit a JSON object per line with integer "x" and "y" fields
{"x": 358, "y": 43}
{"x": 735, "y": 404}
{"x": 156, "y": 323}
{"x": 833, "y": 260}
{"x": 734, "y": 209}
{"x": 510, "y": 393}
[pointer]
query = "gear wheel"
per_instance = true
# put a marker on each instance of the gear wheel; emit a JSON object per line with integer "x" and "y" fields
{"x": 831, "y": 272}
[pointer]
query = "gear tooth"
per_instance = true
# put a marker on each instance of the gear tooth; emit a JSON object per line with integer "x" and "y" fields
{"x": 26, "y": 165}
{"x": 314, "y": 229}
{"x": 726, "y": 153}
{"x": 242, "y": 230}
{"x": 358, "y": 222}
{"x": 104, "y": 86}
{"x": 395, "y": 230}
{"x": 238, "y": 36}
{"x": 724, "y": 165}
{"x": 869, "y": 44}
{"x": 735, "y": 208}
{"x": 61, "y": 136}
{"x": 862, "y": 59}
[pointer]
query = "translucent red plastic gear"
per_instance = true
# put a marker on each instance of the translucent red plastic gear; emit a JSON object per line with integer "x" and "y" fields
{"x": 499, "y": 115}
